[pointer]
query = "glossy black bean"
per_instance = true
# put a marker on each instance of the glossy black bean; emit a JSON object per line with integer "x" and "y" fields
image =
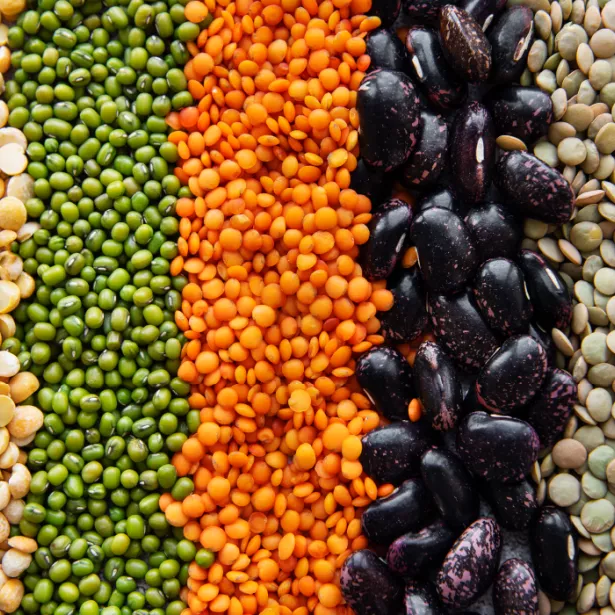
{"x": 483, "y": 11}
{"x": 443, "y": 198}
{"x": 513, "y": 504}
{"x": 554, "y": 553}
{"x": 388, "y": 230}
{"x": 421, "y": 598}
{"x": 392, "y": 453}
{"x": 386, "y": 50}
{"x": 495, "y": 231}
{"x": 515, "y": 589}
{"x": 387, "y": 10}
{"x": 465, "y": 45}
{"x": 544, "y": 339}
{"x": 438, "y": 386}
{"x": 423, "y": 11}
{"x": 497, "y": 447}
{"x": 407, "y": 509}
{"x": 442, "y": 87}
{"x": 472, "y": 153}
{"x": 428, "y": 160}
{"x": 386, "y": 378}
{"x": 389, "y": 118}
{"x": 373, "y": 183}
{"x": 470, "y": 565}
{"x": 511, "y": 37}
{"x": 447, "y": 256}
{"x": 407, "y": 319}
{"x": 525, "y": 113}
{"x": 501, "y": 296}
{"x": 416, "y": 553}
{"x": 550, "y": 410}
{"x": 461, "y": 330}
{"x": 548, "y": 291}
{"x": 513, "y": 375}
{"x": 451, "y": 486}
{"x": 363, "y": 571}
{"x": 533, "y": 188}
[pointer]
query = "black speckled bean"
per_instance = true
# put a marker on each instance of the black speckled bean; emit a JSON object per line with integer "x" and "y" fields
{"x": 548, "y": 292}
{"x": 389, "y": 118}
{"x": 483, "y": 11}
{"x": 442, "y": 198}
{"x": 525, "y": 113}
{"x": 423, "y": 11}
{"x": 407, "y": 319}
{"x": 544, "y": 339}
{"x": 472, "y": 153}
{"x": 447, "y": 256}
{"x": 533, "y": 188}
{"x": 416, "y": 553}
{"x": 501, "y": 296}
{"x": 392, "y": 453}
{"x": 470, "y": 565}
{"x": 497, "y": 447}
{"x": 451, "y": 486}
{"x": 511, "y": 37}
{"x": 513, "y": 504}
{"x": 386, "y": 378}
{"x": 513, "y": 375}
{"x": 554, "y": 553}
{"x": 388, "y": 231}
{"x": 440, "y": 84}
{"x": 407, "y": 509}
{"x": 461, "y": 330}
{"x": 428, "y": 160}
{"x": 421, "y": 598}
{"x": 387, "y": 10}
{"x": 465, "y": 46}
{"x": 495, "y": 231}
{"x": 373, "y": 183}
{"x": 438, "y": 387}
{"x": 363, "y": 571}
{"x": 514, "y": 590}
{"x": 386, "y": 50}
{"x": 550, "y": 410}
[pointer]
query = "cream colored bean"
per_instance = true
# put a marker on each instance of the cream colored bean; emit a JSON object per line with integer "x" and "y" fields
{"x": 11, "y": 594}
{"x": 20, "y": 480}
{"x": 26, "y": 421}
{"x": 15, "y": 562}
{"x": 10, "y": 456}
{"x": 23, "y": 385}
{"x": 14, "y": 511}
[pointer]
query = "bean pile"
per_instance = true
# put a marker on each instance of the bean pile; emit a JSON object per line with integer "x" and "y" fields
{"x": 91, "y": 87}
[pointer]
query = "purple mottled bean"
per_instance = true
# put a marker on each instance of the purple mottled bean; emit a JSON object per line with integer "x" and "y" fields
{"x": 513, "y": 504}
{"x": 515, "y": 591}
{"x": 421, "y": 598}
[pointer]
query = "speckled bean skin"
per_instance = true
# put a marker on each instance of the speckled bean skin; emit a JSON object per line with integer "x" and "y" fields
{"x": 447, "y": 256}
{"x": 525, "y": 113}
{"x": 514, "y": 590}
{"x": 421, "y": 599}
{"x": 361, "y": 573}
{"x": 552, "y": 407}
{"x": 423, "y": 11}
{"x": 501, "y": 297}
{"x": 461, "y": 330}
{"x": 388, "y": 231}
{"x": 451, "y": 486}
{"x": 470, "y": 565}
{"x": 442, "y": 87}
{"x": 548, "y": 292}
{"x": 438, "y": 386}
{"x": 465, "y": 46}
{"x": 497, "y": 447}
{"x": 392, "y": 453}
{"x": 511, "y": 37}
{"x": 386, "y": 378}
{"x": 443, "y": 198}
{"x": 513, "y": 375}
{"x": 472, "y": 153}
{"x": 544, "y": 339}
{"x": 386, "y": 50}
{"x": 513, "y": 504}
{"x": 533, "y": 188}
{"x": 407, "y": 509}
{"x": 554, "y": 553}
{"x": 428, "y": 160}
{"x": 495, "y": 231}
{"x": 407, "y": 319}
{"x": 414, "y": 554}
{"x": 389, "y": 118}
{"x": 483, "y": 11}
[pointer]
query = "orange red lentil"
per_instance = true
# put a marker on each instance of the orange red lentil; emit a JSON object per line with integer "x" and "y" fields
{"x": 276, "y": 307}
